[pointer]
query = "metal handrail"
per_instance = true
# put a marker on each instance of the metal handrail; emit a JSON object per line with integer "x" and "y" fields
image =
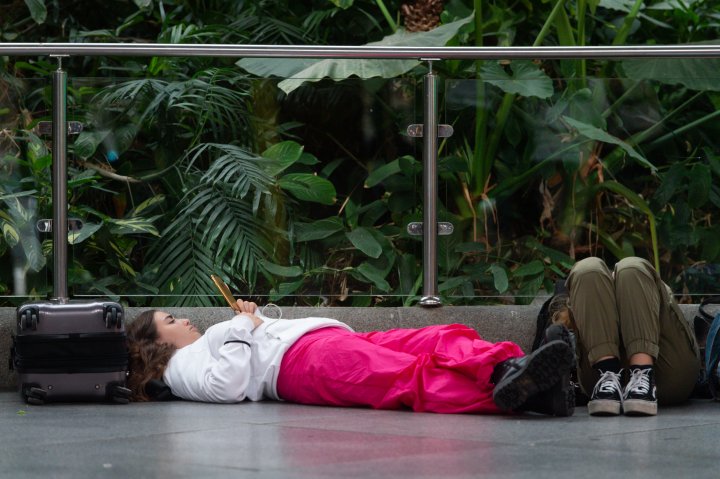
{"x": 360, "y": 52}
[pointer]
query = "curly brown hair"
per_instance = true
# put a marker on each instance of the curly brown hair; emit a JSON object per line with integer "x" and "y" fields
{"x": 148, "y": 357}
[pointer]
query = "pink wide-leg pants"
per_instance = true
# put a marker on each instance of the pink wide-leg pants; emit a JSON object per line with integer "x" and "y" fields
{"x": 442, "y": 369}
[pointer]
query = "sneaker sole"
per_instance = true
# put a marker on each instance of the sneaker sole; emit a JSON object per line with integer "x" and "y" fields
{"x": 639, "y": 407}
{"x": 544, "y": 368}
{"x": 604, "y": 407}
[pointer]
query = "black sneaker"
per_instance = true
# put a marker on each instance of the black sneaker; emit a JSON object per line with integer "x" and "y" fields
{"x": 640, "y": 397}
{"x": 518, "y": 379}
{"x": 607, "y": 397}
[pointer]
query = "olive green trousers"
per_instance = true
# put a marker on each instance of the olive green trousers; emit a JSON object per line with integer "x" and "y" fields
{"x": 629, "y": 311}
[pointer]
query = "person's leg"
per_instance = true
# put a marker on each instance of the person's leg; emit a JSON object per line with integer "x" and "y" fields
{"x": 336, "y": 367}
{"x": 638, "y": 304}
{"x": 339, "y": 368}
{"x": 452, "y": 346}
{"x": 594, "y": 308}
{"x": 678, "y": 363}
{"x": 655, "y": 333}
{"x": 456, "y": 347}
{"x": 638, "y": 298}
{"x": 592, "y": 300}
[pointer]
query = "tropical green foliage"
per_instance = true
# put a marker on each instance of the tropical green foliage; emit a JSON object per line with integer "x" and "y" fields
{"x": 295, "y": 179}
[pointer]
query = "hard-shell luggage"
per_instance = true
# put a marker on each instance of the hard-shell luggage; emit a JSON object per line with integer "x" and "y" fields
{"x": 71, "y": 351}
{"x": 68, "y": 349}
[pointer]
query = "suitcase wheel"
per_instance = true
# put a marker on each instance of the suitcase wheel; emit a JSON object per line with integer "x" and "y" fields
{"x": 29, "y": 319}
{"x": 35, "y": 395}
{"x": 113, "y": 317}
{"x": 35, "y": 401}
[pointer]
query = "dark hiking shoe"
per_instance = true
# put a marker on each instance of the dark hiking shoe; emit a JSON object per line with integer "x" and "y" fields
{"x": 518, "y": 379}
{"x": 606, "y": 398}
{"x": 640, "y": 397}
{"x": 559, "y": 400}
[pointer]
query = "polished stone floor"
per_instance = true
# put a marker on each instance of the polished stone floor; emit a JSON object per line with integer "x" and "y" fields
{"x": 277, "y": 440}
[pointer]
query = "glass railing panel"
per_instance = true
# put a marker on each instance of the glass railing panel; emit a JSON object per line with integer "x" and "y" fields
{"x": 305, "y": 197}
{"x": 545, "y": 171}
{"x": 297, "y": 199}
{"x": 24, "y": 190}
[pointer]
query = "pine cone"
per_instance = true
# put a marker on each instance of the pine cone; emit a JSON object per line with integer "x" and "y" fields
{"x": 422, "y": 15}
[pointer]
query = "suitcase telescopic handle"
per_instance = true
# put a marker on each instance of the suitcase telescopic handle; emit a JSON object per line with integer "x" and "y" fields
{"x": 59, "y": 180}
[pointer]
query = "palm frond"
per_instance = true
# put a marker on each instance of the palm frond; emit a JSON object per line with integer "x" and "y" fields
{"x": 235, "y": 168}
{"x": 217, "y": 226}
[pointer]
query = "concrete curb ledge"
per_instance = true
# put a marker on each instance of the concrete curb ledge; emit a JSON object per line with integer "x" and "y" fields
{"x": 494, "y": 323}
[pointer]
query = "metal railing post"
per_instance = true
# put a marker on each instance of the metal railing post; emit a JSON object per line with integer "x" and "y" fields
{"x": 59, "y": 181}
{"x": 430, "y": 150}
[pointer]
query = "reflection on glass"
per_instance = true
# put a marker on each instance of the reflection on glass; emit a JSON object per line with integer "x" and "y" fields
{"x": 304, "y": 198}
{"x": 557, "y": 170}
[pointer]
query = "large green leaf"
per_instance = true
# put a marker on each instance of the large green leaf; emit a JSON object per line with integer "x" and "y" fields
{"x": 279, "y": 270}
{"x": 365, "y": 241}
{"x": 276, "y": 67}
{"x": 344, "y": 4}
{"x": 532, "y": 268}
{"x": 672, "y": 181}
{"x": 597, "y": 134}
{"x": 368, "y": 272}
{"x": 134, "y": 226}
{"x": 339, "y": 69}
{"x": 526, "y": 79}
{"x": 284, "y": 154}
{"x": 87, "y": 142}
{"x": 88, "y": 229}
{"x": 146, "y": 205}
{"x": 33, "y": 253}
{"x": 500, "y": 278}
{"x": 699, "y": 188}
{"x": 694, "y": 73}
{"x": 379, "y": 174}
{"x": 317, "y": 230}
{"x": 453, "y": 283}
{"x": 619, "y": 5}
{"x": 309, "y": 187}
{"x": 38, "y": 11}
{"x": 11, "y": 235}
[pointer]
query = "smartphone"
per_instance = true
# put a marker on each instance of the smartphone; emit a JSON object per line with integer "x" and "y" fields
{"x": 225, "y": 291}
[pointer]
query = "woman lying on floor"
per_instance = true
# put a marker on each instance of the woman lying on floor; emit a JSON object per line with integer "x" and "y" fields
{"x": 442, "y": 369}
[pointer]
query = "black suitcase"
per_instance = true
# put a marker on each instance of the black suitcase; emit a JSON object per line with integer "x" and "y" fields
{"x": 71, "y": 351}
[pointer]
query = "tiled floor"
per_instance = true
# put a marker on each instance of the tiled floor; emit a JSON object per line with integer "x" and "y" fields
{"x": 276, "y": 440}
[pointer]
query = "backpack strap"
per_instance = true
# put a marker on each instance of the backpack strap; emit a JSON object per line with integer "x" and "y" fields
{"x": 543, "y": 321}
{"x": 712, "y": 355}
{"x": 703, "y": 319}
{"x": 703, "y": 308}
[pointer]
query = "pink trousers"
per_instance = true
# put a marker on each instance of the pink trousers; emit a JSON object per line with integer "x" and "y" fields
{"x": 442, "y": 369}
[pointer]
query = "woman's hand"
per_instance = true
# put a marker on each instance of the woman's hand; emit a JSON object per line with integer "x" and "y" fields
{"x": 248, "y": 308}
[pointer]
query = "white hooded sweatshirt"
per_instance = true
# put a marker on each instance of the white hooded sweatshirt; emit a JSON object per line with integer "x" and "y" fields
{"x": 232, "y": 362}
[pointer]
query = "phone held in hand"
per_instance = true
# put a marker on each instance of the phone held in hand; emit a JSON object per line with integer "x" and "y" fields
{"x": 225, "y": 291}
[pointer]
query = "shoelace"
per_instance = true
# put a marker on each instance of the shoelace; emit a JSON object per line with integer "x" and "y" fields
{"x": 609, "y": 383}
{"x": 639, "y": 382}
